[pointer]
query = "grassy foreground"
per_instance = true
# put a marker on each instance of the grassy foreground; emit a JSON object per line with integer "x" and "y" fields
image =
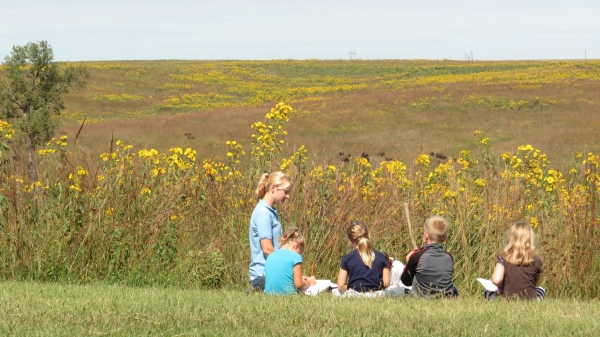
{"x": 33, "y": 309}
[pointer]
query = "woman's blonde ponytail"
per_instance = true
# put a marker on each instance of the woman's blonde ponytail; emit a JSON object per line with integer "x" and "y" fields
{"x": 261, "y": 190}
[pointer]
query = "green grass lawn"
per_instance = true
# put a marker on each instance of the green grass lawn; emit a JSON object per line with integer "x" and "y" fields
{"x": 33, "y": 309}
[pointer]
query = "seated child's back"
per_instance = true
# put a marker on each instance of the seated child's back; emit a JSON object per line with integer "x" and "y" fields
{"x": 283, "y": 268}
{"x": 360, "y": 277}
{"x": 430, "y": 269}
{"x": 364, "y": 269}
{"x": 279, "y": 271}
{"x": 518, "y": 269}
{"x": 520, "y": 280}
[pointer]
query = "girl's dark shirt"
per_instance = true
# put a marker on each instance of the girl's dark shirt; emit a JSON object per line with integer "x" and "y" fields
{"x": 360, "y": 277}
{"x": 519, "y": 280}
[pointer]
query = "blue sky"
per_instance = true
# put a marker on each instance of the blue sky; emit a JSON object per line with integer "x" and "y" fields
{"x": 323, "y": 29}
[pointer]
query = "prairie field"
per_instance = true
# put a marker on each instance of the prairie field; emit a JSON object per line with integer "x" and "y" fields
{"x": 401, "y": 108}
{"x": 157, "y": 187}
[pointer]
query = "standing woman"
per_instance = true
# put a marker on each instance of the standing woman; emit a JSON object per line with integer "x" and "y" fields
{"x": 265, "y": 228}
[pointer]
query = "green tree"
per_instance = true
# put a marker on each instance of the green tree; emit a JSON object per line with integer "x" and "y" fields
{"x": 31, "y": 93}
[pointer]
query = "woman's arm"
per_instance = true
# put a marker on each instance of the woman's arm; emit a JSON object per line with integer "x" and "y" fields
{"x": 267, "y": 246}
{"x": 341, "y": 283}
{"x": 264, "y": 232}
{"x": 498, "y": 275}
{"x": 302, "y": 282}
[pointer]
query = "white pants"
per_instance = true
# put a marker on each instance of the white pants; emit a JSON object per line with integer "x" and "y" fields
{"x": 396, "y": 288}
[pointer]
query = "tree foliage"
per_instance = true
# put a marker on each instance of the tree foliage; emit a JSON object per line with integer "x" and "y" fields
{"x": 31, "y": 93}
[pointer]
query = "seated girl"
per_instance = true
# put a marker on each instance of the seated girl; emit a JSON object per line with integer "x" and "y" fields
{"x": 283, "y": 268}
{"x": 518, "y": 269}
{"x": 365, "y": 269}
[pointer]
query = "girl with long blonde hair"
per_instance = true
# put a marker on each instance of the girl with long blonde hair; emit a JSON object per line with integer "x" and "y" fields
{"x": 518, "y": 268}
{"x": 364, "y": 268}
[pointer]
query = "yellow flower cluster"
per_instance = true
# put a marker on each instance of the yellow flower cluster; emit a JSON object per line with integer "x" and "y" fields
{"x": 591, "y": 169}
{"x": 442, "y": 181}
{"x": 541, "y": 73}
{"x": 281, "y": 112}
{"x": 218, "y": 171}
{"x": 553, "y": 180}
{"x": 76, "y": 178}
{"x": 267, "y": 144}
{"x": 322, "y": 174}
{"x": 200, "y": 101}
{"x": 421, "y": 104}
{"x": 35, "y": 185}
{"x": 391, "y": 173}
{"x": 54, "y": 145}
{"x": 517, "y": 105}
{"x": 152, "y": 160}
{"x": 82, "y": 172}
{"x": 528, "y": 165}
{"x": 422, "y": 160}
{"x": 118, "y": 97}
{"x": 120, "y": 161}
{"x": 112, "y": 65}
{"x": 149, "y": 154}
{"x": 234, "y": 152}
{"x": 183, "y": 160}
{"x": 299, "y": 159}
{"x": 6, "y": 130}
{"x": 475, "y": 101}
{"x": 466, "y": 160}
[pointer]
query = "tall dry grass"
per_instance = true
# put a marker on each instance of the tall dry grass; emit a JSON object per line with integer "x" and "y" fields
{"x": 144, "y": 217}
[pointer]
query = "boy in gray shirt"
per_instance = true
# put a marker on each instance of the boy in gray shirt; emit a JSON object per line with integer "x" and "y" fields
{"x": 429, "y": 270}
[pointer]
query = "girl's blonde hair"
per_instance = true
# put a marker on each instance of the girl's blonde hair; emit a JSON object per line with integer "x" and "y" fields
{"x": 292, "y": 235}
{"x": 358, "y": 234}
{"x": 520, "y": 245}
{"x": 278, "y": 179}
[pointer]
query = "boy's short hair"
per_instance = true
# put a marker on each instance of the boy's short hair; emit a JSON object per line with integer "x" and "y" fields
{"x": 437, "y": 228}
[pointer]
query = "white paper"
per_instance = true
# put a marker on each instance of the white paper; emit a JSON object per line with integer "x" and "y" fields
{"x": 487, "y": 284}
{"x": 395, "y": 282}
{"x": 319, "y": 286}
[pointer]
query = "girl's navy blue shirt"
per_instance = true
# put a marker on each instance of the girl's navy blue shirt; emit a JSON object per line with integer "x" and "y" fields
{"x": 360, "y": 277}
